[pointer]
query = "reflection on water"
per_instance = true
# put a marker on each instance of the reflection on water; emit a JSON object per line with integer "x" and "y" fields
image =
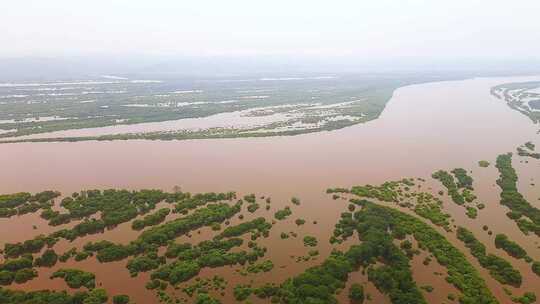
{"x": 424, "y": 128}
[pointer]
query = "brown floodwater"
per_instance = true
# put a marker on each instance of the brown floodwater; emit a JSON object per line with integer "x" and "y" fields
{"x": 424, "y": 128}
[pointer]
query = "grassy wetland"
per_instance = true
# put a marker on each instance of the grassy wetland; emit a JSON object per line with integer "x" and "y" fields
{"x": 176, "y": 109}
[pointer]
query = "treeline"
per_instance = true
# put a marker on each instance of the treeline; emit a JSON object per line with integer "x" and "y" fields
{"x": 515, "y": 250}
{"x": 24, "y": 202}
{"x": 511, "y": 247}
{"x": 500, "y": 269}
{"x": 76, "y": 278}
{"x": 448, "y": 181}
{"x": 430, "y": 208}
{"x": 461, "y": 273}
{"x": 257, "y": 227}
{"x": 17, "y": 270}
{"x": 211, "y": 254}
{"x": 377, "y": 227}
{"x": 385, "y": 192}
{"x": 520, "y": 209}
{"x": 151, "y": 219}
{"x": 94, "y": 296}
{"x": 461, "y": 191}
{"x": 464, "y": 180}
{"x": 189, "y": 260}
{"x": 122, "y": 208}
{"x": 20, "y": 270}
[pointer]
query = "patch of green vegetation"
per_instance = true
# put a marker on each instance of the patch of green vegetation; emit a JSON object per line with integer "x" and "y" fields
{"x": 109, "y": 252}
{"x": 264, "y": 266}
{"x": 430, "y": 208}
{"x": 511, "y": 197}
{"x": 461, "y": 273}
{"x": 215, "y": 226}
{"x": 162, "y": 234}
{"x": 206, "y": 254}
{"x": 115, "y": 206}
{"x": 318, "y": 284}
{"x": 344, "y": 228}
{"x": 526, "y": 298}
{"x": 468, "y": 195}
{"x": 121, "y": 299}
{"x": 511, "y": 247}
{"x": 356, "y": 293}
{"x": 204, "y": 298}
{"x": 256, "y": 227}
{"x": 67, "y": 255}
{"x": 95, "y": 296}
{"x": 25, "y": 275}
{"x": 177, "y": 272}
{"x": 337, "y": 190}
{"x": 76, "y": 278}
{"x": 250, "y": 198}
{"x": 310, "y": 241}
{"x": 24, "y": 202}
{"x": 500, "y": 269}
{"x": 536, "y": 268}
{"x": 464, "y": 180}
{"x": 422, "y": 203}
{"x": 448, "y": 181}
{"x": 145, "y": 263}
{"x": 175, "y": 249}
{"x": 253, "y": 207}
{"x": 483, "y": 163}
{"x": 205, "y": 285}
{"x": 48, "y": 259}
{"x": 242, "y": 292}
{"x": 156, "y": 236}
{"x": 315, "y": 285}
{"x": 80, "y": 256}
{"x": 283, "y": 213}
{"x": 17, "y": 270}
{"x": 471, "y": 212}
{"x": 385, "y": 192}
{"x": 184, "y": 201}
{"x": 151, "y": 219}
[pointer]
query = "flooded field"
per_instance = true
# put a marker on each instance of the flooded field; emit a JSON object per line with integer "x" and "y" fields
{"x": 424, "y": 128}
{"x": 192, "y": 108}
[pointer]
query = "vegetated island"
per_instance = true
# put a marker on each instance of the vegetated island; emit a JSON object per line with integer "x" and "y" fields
{"x": 335, "y": 103}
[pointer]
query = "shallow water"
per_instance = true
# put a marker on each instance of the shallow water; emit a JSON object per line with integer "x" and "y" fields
{"x": 424, "y": 128}
{"x": 229, "y": 120}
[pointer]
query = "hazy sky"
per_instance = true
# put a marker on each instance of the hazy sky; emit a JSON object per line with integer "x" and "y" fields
{"x": 373, "y": 28}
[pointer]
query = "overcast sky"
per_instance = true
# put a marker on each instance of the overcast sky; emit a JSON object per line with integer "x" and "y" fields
{"x": 365, "y": 28}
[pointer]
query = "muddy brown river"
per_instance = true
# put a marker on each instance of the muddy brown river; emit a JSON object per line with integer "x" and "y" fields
{"x": 424, "y": 128}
